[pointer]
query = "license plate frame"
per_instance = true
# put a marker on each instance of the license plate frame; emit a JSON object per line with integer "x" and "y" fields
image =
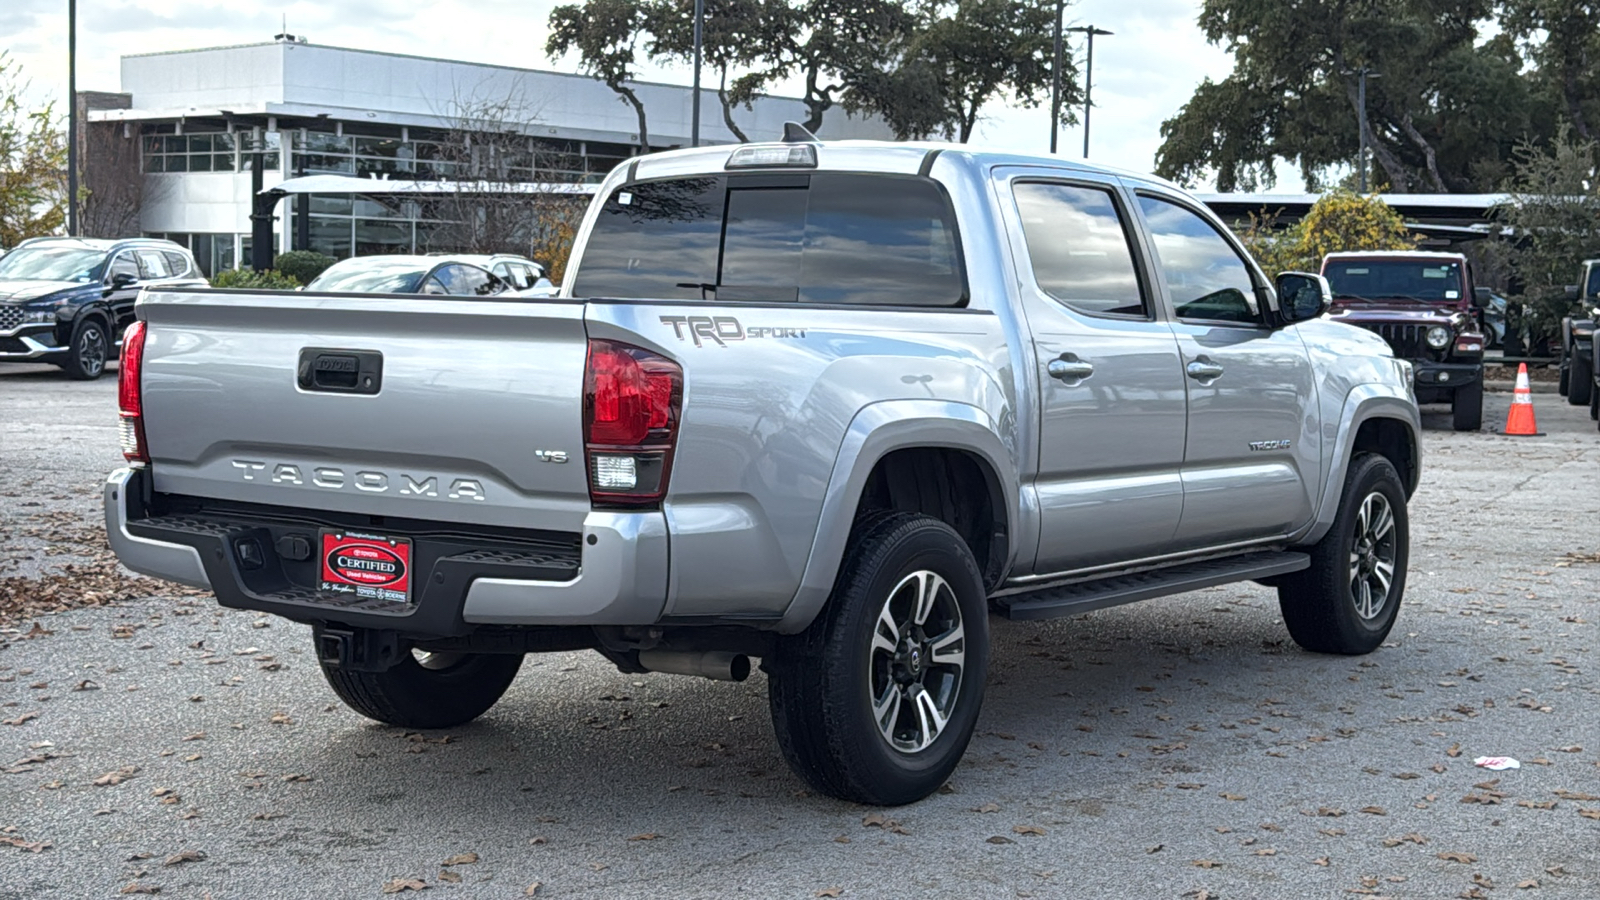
{"x": 370, "y": 567}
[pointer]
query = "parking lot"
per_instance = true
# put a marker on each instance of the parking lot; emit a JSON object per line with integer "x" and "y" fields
{"x": 1178, "y": 748}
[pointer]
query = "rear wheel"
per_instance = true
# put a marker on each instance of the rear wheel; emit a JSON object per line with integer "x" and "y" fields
{"x": 1466, "y": 407}
{"x": 1347, "y": 601}
{"x": 86, "y": 355}
{"x": 1580, "y": 384}
{"x": 877, "y": 700}
{"x": 427, "y": 690}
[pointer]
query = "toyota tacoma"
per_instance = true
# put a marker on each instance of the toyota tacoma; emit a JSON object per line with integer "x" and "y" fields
{"x": 826, "y": 405}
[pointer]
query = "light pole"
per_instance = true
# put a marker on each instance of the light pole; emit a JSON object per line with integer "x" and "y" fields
{"x": 72, "y": 118}
{"x": 694, "y": 122}
{"x": 1363, "y": 74}
{"x": 1055, "y": 79}
{"x": 1088, "y": 79}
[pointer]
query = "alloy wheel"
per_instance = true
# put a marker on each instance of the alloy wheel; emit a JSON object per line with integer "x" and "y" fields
{"x": 917, "y": 660}
{"x": 1372, "y": 556}
{"x": 91, "y": 350}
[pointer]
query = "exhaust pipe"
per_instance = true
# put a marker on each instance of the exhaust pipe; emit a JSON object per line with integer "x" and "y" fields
{"x": 718, "y": 664}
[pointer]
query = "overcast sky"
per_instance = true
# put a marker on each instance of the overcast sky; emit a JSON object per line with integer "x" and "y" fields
{"x": 1142, "y": 74}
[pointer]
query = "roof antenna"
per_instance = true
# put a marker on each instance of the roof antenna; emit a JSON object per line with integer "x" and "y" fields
{"x": 795, "y": 133}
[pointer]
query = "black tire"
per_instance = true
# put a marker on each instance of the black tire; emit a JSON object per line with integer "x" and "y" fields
{"x": 88, "y": 351}
{"x": 1564, "y": 381}
{"x": 1320, "y": 604}
{"x": 437, "y": 691}
{"x": 822, "y": 682}
{"x": 1466, "y": 407}
{"x": 1580, "y": 383}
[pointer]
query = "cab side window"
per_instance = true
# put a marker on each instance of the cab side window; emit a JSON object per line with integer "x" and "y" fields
{"x": 465, "y": 281}
{"x": 1204, "y": 275}
{"x": 1079, "y": 249}
{"x": 123, "y": 264}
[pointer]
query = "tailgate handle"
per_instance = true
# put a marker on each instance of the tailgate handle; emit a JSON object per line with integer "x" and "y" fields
{"x": 340, "y": 371}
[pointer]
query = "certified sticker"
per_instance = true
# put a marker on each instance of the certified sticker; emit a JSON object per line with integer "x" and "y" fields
{"x": 367, "y": 565}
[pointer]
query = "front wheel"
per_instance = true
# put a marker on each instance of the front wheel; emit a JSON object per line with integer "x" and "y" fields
{"x": 1466, "y": 407}
{"x": 86, "y": 355}
{"x": 427, "y": 690}
{"x": 876, "y": 701}
{"x": 1347, "y": 601}
{"x": 1580, "y": 381}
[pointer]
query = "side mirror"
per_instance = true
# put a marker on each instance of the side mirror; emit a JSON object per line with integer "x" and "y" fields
{"x": 1482, "y": 298}
{"x": 122, "y": 280}
{"x": 1302, "y": 296}
{"x": 1572, "y": 293}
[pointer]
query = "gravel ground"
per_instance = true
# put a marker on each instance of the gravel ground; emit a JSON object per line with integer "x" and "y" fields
{"x": 1177, "y": 748}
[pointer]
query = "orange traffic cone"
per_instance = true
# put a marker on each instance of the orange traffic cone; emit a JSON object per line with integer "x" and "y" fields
{"x": 1519, "y": 421}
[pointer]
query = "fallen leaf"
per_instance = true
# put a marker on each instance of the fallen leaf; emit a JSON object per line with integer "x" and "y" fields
{"x": 647, "y": 836}
{"x": 184, "y": 856}
{"x": 1457, "y": 857}
{"x": 1454, "y": 751}
{"x": 1589, "y": 813}
{"x": 1320, "y": 861}
{"x": 396, "y": 885}
{"x": 282, "y": 718}
{"x": 1227, "y": 796}
{"x": 531, "y": 889}
{"x": 829, "y": 892}
{"x": 1206, "y": 863}
{"x": 999, "y": 839}
{"x": 1027, "y": 829}
{"x": 1528, "y": 883}
{"x": 117, "y": 777}
{"x": 139, "y": 887}
{"x": 1374, "y": 810}
{"x": 987, "y": 808}
{"x": 461, "y": 859}
{"x": 448, "y": 876}
{"x": 25, "y": 717}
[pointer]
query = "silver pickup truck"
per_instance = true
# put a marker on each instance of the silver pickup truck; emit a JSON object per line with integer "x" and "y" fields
{"x": 830, "y": 405}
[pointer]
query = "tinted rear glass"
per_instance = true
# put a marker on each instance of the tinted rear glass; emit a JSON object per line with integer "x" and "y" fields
{"x": 1379, "y": 279}
{"x": 825, "y": 237}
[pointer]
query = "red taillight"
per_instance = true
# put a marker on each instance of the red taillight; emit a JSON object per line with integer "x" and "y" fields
{"x": 130, "y": 400}
{"x": 631, "y": 400}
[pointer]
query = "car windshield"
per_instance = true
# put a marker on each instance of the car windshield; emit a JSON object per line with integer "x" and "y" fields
{"x": 47, "y": 263}
{"x": 1377, "y": 279}
{"x": 371, "y": 276}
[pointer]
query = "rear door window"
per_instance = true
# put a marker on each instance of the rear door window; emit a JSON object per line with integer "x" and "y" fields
{"x": 155, "y": 265}
{"x": 1079, "y": 248}
{"x": 176, "y": 263}
{"x": 825, "y": 237}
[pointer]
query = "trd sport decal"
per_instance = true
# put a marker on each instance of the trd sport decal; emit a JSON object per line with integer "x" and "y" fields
{"x": 721, "y": 329}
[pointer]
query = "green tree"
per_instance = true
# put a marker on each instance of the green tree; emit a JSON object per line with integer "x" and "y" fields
{"x": 965, "y": 54}
{"x": 33, "y": 163}
{"x": 1443, "y": 116}
{"x": 1554, "y": 210}
{"x": 837, "y": 48}
{"x": 1563, "y": 38}
{"x": 606, "y": 34}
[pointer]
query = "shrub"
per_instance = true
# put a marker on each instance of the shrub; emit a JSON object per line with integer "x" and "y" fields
{"x": 1339, "y": 220}
{"x": 246, "y": 279}
{"x": 302, "y": 265}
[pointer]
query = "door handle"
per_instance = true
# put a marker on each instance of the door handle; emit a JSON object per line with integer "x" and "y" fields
{"x": 1204, "y": 370}
{"x": 1069, "y": 368}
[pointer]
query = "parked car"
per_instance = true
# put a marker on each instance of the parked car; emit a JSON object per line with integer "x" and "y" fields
{"x": 66, "y": 301}
{"x": 526, "y": 277}
{"x": 1492, "y": 319}
{"x": 1424, "y": 305}
{"x": 1578, "y": 369}
{"x": 832, "y": 406}
{"x": 407, "y": 275}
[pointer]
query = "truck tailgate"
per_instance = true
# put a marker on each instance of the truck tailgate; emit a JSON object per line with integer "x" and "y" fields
{"x": 474, "y": 407}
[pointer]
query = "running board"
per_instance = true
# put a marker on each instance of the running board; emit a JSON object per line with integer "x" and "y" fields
{"x": 1085, "y": 596}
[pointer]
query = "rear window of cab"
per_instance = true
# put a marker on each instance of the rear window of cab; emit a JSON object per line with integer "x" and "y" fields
{"x": 819, "y": 237}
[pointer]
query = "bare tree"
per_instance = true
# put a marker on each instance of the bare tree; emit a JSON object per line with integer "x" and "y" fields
{"x": 509, "y": 190}
{"x": 113, "y": 187}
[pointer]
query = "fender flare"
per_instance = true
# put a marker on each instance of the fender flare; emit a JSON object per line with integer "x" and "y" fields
{"x": 1364, "y": 403}
{"x": 91, "y": 310}
{"x": 877, "y": 430}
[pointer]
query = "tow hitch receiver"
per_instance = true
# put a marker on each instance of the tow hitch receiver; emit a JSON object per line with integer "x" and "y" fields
{"x": 358, "y": 649}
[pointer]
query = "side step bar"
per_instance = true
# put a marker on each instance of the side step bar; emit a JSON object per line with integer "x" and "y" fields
{"x": 1086, "y": 596}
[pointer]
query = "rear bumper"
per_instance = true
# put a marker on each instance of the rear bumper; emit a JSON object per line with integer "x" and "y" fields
{"x": 613, "y": 572}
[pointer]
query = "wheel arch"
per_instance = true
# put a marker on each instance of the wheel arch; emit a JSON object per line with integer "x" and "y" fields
{"x": 942, "y": 458}
{"x": 1375, "y": 419}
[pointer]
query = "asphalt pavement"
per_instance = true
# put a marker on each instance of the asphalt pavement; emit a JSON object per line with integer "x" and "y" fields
{"x": 1176, "y": 748}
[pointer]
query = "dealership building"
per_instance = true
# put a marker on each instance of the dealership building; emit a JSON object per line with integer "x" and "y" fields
{"x": 205, "y": 121}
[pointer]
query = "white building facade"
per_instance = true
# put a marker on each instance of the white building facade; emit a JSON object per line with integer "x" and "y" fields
{"x": 207, "y": 118}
